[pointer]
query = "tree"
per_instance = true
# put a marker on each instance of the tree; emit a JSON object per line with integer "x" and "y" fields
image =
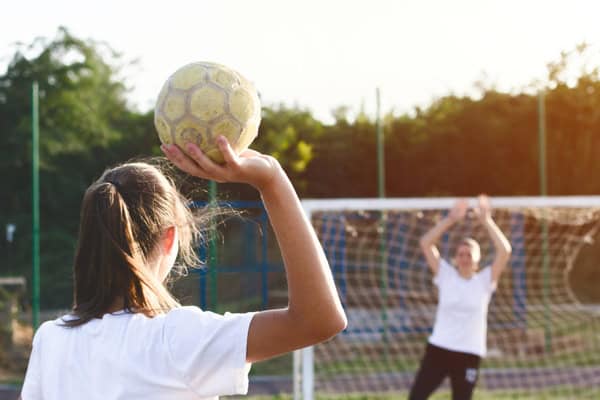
{"x": 289, "y": 134}
{"x": 82, "y": 113}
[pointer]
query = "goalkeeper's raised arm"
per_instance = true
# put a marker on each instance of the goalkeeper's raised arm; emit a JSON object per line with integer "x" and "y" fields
{"x": 501, "y": 243}
{"x": 428, "y": 241}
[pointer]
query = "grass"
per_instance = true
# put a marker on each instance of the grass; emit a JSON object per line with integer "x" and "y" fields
{"x": 584, "y": 353}
{"x": 555, "y": 394}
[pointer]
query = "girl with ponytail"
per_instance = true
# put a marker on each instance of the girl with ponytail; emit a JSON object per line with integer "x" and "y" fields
{"x": 127, "y": 337}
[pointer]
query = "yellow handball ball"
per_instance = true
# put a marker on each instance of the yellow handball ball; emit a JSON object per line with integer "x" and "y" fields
{"x": 203, "y": 100}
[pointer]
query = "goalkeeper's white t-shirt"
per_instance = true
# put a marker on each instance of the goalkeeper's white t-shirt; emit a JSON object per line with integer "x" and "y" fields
{"x": 184, "y": 354}
{"x": 461, "y": 318}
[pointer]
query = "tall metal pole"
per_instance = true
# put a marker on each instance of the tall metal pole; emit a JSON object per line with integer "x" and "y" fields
{"x": 35, "y": 204}
{"x": 542, "y": 143}
{"x": 382, "y": 222}
{"x": 380, "y": 150}
{"x": 544, "y": 192}
{"x": 212, "y": 248}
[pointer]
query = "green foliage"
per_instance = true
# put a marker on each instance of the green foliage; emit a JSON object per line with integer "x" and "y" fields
{"x": 85, "y": 125}
{"x": 289, "y": 134}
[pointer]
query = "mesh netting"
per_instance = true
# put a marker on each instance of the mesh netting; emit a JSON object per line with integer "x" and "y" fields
{"x": 540, "y": 336}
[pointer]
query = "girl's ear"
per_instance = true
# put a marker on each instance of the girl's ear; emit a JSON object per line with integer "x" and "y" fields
{"x": 169, "y": 238}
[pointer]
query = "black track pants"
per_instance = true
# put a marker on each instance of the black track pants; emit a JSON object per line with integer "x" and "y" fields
{"x": 462, "y": 368}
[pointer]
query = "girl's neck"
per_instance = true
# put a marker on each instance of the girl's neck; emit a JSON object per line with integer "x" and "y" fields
{"x": 117, "y": 305}
{"x": 467, "y": 274}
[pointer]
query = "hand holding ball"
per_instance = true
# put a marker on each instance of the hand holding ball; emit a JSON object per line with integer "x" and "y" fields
{"x": 201, "y": 101}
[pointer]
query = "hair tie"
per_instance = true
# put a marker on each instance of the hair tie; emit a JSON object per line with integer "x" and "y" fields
{"x": 116, "y": 185}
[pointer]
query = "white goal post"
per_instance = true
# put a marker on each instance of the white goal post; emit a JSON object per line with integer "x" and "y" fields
{"x": 579, "y": 211}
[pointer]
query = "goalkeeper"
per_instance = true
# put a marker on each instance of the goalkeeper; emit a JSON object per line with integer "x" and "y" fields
{"x": 458, "y": 341}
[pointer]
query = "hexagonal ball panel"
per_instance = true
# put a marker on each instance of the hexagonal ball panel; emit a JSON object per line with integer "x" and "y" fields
{"x": 242, "y": 105}
{"x": 207, "y": 103}
{"x": 161, "y": 96}
{"x": 188, "y": 76}
{"x": 247, "y": 136}
{"x": 164, "y": 131}
{"x": 227, "y": 127}
{"x": 224, "y": 77}
{"x": 190, "y": 131}
{"x": 174, "y": 106}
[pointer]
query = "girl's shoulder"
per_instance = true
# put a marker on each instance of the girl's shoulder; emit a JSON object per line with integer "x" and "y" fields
{"x": 445, "y": 273}
{"x": 187, "y": 321}
{"x": 485, "y": 272}
{"x": 192, "y": 315}
{"x": 447, "y": 268}
{"x": 48, "y": 329}
{"x": 485, "y": 277}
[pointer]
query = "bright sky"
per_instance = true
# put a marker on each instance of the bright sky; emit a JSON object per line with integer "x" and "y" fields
{"x": 321, "y": 54}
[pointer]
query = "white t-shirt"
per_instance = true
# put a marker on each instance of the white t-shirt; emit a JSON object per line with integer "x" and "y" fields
{"x": 184, "y": 354}
{"x": 461, "y": 318}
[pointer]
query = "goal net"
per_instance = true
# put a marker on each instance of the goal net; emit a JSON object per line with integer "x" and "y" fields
{"x": 541, "y": 337}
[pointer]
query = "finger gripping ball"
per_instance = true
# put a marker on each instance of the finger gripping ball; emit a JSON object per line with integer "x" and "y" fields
{"x": 203, "y": 100}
